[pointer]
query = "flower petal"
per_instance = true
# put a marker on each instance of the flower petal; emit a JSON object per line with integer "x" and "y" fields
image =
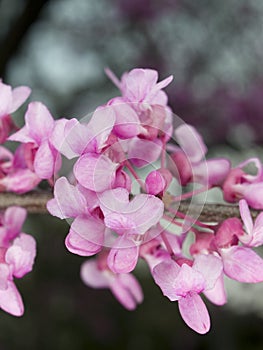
{"x": 96, "y": 173}
{"x": 5, "y": 98}
{"x": 101, "y": 125}
{"x": 21, "y": 255}
{"x": 217, "y": 294}
{"x": 58, "y": 138}
{"x": 78, "y": 138}
{"x": 68, "y": 202}
{"x": 242, "y": 264}
{"x": 22, "y": 135}
{"x": 123, "y": 256}
{"x": 257, "y": 238}
{"x": 127, "y": 123}
{"x": 19, "y": 95}
{"x": 14, "y": 218}
{"x": 86, "y": 236}
{"x": 127, "y": 291}
{"x": 145, "y": 211}
{"x": 164, "y": 275}
{"x": 4, "y": 275}
{"x": 23, "y": 180}
{"x": 211, "y": 172}
{"x": 210, "y": 267}
{"x": 80, "y": 246}
{"x": 44, "y": 161}
{"x": 39, "y": 121}
{"x": 92, "y": 276}
{"x": 143, "y": 152}
{"x": 253, "y": 194}
{"x": 113, "y": 200}
{"x": 194, "y": 313}
{"x": 246, "y": 216}
{"x": 191, "y": 142}
{"x": 11, "y": 301}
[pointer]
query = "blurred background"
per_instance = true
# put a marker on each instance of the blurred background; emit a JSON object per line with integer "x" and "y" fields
{"x": 60, "y": 49}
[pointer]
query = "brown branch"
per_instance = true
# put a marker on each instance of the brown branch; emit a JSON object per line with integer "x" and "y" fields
{"x": 211, "y": 212}
{"x": 35, "y": 202}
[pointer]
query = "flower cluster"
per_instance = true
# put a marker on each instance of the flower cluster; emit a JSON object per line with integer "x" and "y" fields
{"x": 134, "y": 163}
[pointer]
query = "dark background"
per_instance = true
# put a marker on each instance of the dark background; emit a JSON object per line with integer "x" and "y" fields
{"x": 60, "y": 49}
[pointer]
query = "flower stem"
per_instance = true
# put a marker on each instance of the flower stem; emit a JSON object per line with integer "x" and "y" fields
{"x": 134, "y": 174}
{"x": 191, "y": 194}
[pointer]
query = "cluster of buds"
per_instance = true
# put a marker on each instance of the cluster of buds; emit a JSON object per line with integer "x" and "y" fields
{"x": 134, "y": 162}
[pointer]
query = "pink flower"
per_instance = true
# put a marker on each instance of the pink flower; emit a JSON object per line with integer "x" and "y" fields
{"x": 185, "y": 283}
{"x": 39, "y": 125}
{"x": 254, "y": 231}
{"x": 157, "y": 181}
{"x": 17, "y": 254}
{"x": 154, "y": 251}
{"x": 142, "y": 152}
{"x": 130, "y": 220}
{"x": 10, "y": 101}
{"x": 140, "y": 85}
{"x": 15, "y": 176}
{"x": 96, "y": 172}
{"x": 86, "y": 235}
{"x": 73, "y": 139}
{"x": 188, "y": 164}
{"x": 127, "y": 123}
{"x": 242, "y": 264}
{"x": 140, "y": 90}
{"x": 97, "y": 216}
{"x": 123, "y": 286}
{"x": 239, "y": 263}
{"x": 239, "y": 184}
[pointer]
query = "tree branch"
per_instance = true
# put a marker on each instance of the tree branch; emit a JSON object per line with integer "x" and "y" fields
{"x": 35, "y": 203}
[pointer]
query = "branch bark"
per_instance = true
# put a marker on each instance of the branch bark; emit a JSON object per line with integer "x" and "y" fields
{"x": 35, "y": 203}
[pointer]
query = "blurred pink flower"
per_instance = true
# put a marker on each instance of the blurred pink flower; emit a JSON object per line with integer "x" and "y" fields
{"x": 188, "y": 162}
{"x": 240, "y": 184}
{"x": 124, "y": 286}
